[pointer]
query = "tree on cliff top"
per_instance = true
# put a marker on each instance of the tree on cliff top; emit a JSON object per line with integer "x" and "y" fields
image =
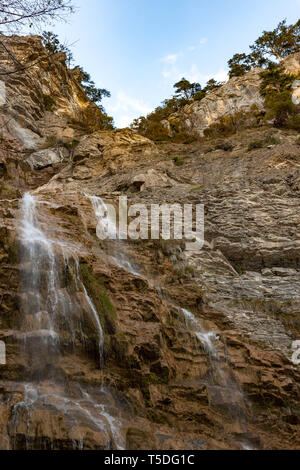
{"x": 270, "y": 47}
{"x": 95, "y": 94}
{"x": 52, "y": 43}
{"x": 18, "y": 14}
{"x": 279, "y": 43}
{"x": 185, "y": 89}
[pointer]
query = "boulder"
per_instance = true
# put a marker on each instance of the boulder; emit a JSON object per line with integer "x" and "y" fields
{"x": 44, "y": 158}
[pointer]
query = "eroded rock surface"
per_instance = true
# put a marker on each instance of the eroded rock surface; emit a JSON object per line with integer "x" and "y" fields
{"x": 239, "y": 95}
{"x": 197, "y": 346}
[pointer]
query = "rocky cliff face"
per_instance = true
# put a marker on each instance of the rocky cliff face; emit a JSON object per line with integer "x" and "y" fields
{"x": 143, "y": 344}
{"x": 240, "y": 95}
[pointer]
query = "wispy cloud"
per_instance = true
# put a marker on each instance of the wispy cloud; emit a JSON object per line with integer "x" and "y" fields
{"x": 198, "y": 45}
{"x": 125, "y": 109}
{"x": 193, "y": 74}
{"x": 173, "y": 69}
{"x": 170, "y": 58}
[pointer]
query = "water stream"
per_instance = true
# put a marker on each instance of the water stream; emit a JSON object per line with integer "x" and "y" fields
{"x": 53, "y": 314}
{"x": 56, "y": 308}
{"x": 107, "y": 223}
{"x": 223, "y": 390}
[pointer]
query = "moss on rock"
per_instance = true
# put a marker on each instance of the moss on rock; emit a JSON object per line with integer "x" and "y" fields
{"x": 104, "y": 307}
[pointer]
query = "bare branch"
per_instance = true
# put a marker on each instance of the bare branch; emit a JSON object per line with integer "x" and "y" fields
{"x": 18, "y": 14}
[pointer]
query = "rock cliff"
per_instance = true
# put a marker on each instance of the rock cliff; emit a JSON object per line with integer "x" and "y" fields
{"x": 240, "y": 95}
{"x": 141, "y": 344}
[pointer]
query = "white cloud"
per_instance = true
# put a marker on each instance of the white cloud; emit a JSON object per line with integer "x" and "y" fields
{"x": 170, "y": 58}
{"x": 201, "y": 43}
{"x": 124, "y": 102}
{"x": 125, "y": 109}
{"x": 124, "y": 121}
{"x": 195, "y": 75}
{"x": 173, "y": 72}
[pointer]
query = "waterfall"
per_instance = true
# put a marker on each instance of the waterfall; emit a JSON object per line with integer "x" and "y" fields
{"x": 104, "y": 217}
{"x": 44, "y": 259}
{"x": 206, "y": 338}
{"x": 54, "y": 301}
{"x": 222, "y": 387}
{"x": 106, "y": 222}
{"x": 37, "y": 258}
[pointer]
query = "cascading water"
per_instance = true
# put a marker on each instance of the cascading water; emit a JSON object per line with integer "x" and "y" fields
{"x": 106, "y": 223}
{"x": 206, "y": 338}
{"x": 47, "y": 303}
{"x": 223, "y": 390}
{"x": 55, "y": 308}
{"x": 38, "y": 260}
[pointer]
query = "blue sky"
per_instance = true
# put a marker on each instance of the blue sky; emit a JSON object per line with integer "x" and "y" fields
{"x": 137, "y": 49}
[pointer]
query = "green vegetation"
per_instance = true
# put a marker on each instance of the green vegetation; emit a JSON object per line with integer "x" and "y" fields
{"x": 153, "y": 378}
{"x": 259, "y": 144}
{"x": 226, "y": 145}
{"x": 53, "y": 141}
{"x": 8, "y": 193}
{"x": 53, "y": 45}
{"x": 49, "y": 103}
{"x": 276, "y": 89}
{"x": 197, "y": 188}
{"x": 97, "y": 292}
{"x": 71, "y": 145}
{"x": 231, "y": 123}
{"x": 179, "y": 161}
{"x": 153, "y": 127}
{"x": 271, "y": 140}
{"x": 267, "y": 52}
{"x": 269, "y": 49}
{"x": 256, "y": 144}
{"x": 95, "y": 94}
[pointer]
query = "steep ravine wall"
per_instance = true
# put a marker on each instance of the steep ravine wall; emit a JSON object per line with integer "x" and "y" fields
{"x": 179, "y": 328}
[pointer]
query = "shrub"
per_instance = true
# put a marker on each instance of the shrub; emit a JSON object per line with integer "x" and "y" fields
{"x": 49, "y": 103}
{"x": 179, "y": 161}
{"x": 189, "y": 140}
{"x": 294, "y": 123}
{"x": 256, "y": 144}
{"x": 51, "y": 141}
{"x": 71, "y": 145}
{"x": 224, "y": 126}
{"x": 271, "y": 140}
{"x": 280, "y": 108}
{"x": 225, "y": 145}
{"x": 276, "y": 89}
